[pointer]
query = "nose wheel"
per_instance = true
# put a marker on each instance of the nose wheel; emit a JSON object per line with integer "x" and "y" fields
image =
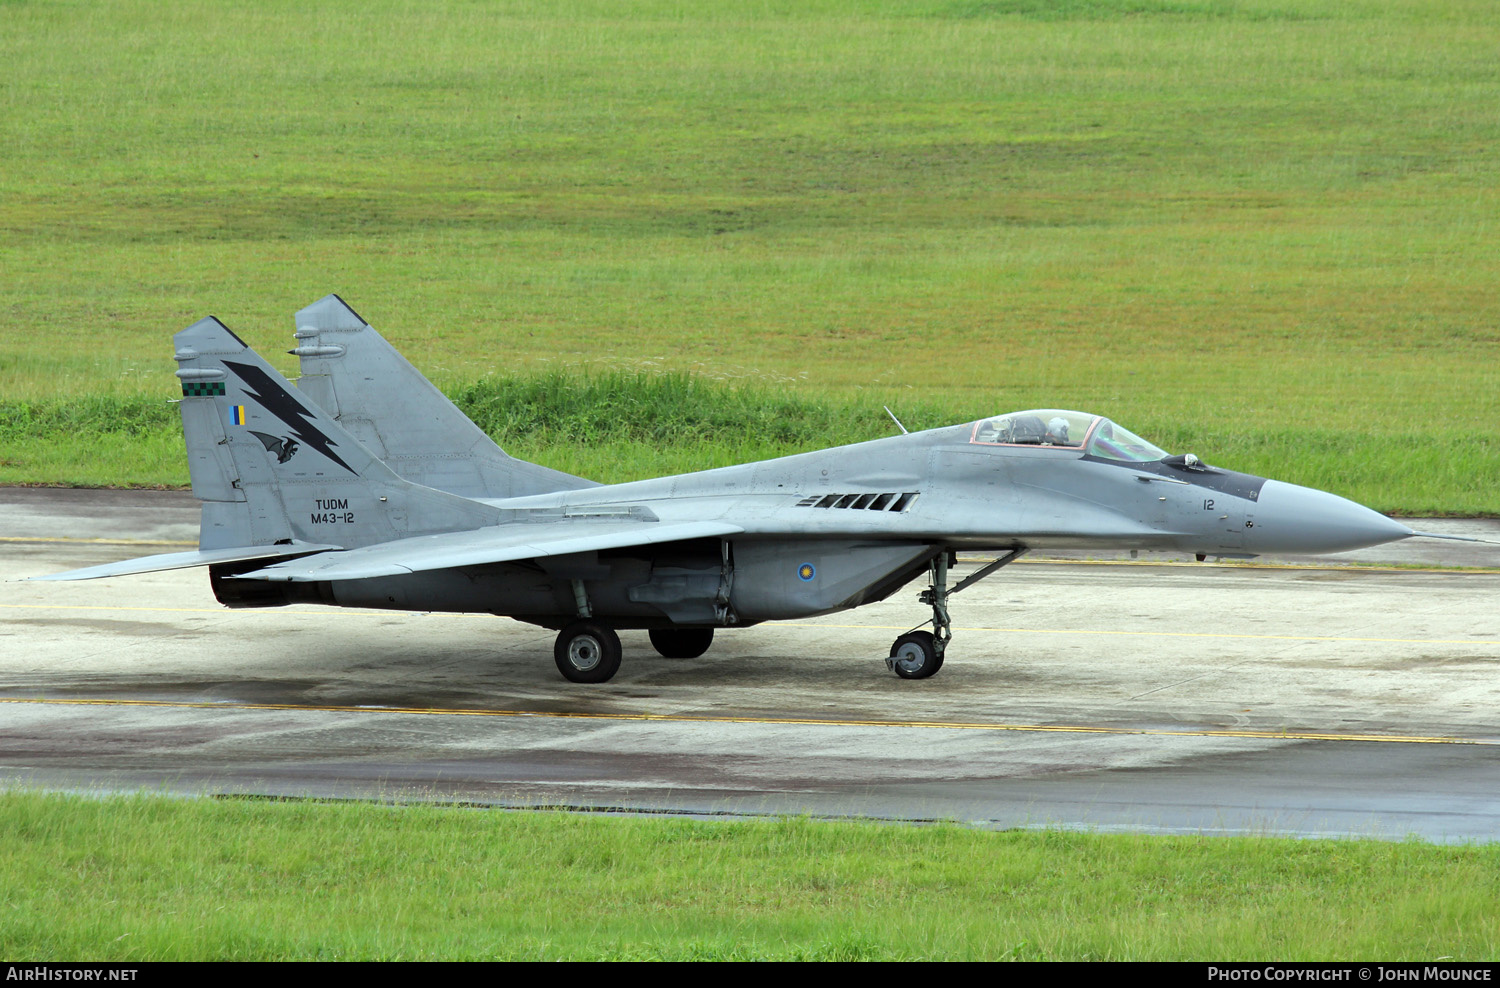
{"x": 915, "y": 655}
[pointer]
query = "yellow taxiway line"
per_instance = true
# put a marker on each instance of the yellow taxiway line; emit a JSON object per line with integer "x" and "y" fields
{"x": 361, "y": 613}
{"x": 769, "y": 721}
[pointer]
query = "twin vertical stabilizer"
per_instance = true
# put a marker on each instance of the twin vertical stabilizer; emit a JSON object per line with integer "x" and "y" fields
{"x": 271, "y": 466}
{"x": 381, "y": 399}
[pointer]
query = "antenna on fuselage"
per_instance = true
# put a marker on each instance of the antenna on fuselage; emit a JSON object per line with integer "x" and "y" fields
{"x": 895, "y": 420}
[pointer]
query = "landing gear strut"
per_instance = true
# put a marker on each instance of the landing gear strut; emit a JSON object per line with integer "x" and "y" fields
{"x": 919, "y": 654}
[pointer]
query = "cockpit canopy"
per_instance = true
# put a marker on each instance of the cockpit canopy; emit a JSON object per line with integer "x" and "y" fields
{"x": 1060, "y": 429}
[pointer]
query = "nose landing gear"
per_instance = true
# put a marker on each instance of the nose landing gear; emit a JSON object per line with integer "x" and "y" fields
{"x": 919, "y": 654}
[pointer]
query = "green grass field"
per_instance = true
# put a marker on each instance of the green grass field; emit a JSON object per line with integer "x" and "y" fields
{"x": 149, "y": 878}
{"x": 1260, "y": 230}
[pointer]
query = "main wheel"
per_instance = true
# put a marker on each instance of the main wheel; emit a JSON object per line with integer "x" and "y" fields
{"x": 587, "y": 652}
{"x": 915, "y": 655}
{"x": 681, "y": 643}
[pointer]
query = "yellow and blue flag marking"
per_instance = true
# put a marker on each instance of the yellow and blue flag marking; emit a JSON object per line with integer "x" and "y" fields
{"x": 237, "y": 414}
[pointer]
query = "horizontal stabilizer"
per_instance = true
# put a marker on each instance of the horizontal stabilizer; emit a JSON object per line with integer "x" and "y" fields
{"x": 497, "y": 544}
{"x": 183, "y": 560}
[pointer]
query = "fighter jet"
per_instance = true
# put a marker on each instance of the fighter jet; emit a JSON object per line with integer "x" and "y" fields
{"x": 364, "y": 486}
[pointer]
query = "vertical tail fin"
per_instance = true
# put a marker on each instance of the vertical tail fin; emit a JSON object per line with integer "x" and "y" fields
{"x": 374, "y": 393}
{"x": 270, "y": 466}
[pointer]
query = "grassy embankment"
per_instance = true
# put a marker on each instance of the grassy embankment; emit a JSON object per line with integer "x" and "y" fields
{"x": 618, "y": 427}
{"x": 138, "y": 878}
{"x": 1258, "y": 230}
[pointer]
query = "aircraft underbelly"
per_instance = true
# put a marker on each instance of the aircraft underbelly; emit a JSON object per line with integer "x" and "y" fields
{"x": 683, "y": 583}
{"x": 766, "y": 581}
{"x": 779, "y": 580}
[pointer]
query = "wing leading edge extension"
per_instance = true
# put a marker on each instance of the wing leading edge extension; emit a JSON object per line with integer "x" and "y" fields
{"x": 497, "y": 544}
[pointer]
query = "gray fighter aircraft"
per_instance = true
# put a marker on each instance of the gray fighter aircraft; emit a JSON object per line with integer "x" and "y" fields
{"x": 364, "y": 486}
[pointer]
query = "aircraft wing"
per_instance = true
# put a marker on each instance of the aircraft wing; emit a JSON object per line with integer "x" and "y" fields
{"x": 480, "y": 546}
{"x": 182, "y": 560}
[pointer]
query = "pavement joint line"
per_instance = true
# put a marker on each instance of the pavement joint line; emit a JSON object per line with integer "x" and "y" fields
{"x": 1155, "y": 634}
{"x": 1354, "y": 566}
{"x": 358, "y": 613}
{"x": 81, "y": 541}
{"x": 769, "y": 721}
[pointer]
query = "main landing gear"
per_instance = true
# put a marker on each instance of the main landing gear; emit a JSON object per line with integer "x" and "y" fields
{"x": 587, "y": 651}
{"x": 681, "y": 643}
{"x": 919, "y": 654}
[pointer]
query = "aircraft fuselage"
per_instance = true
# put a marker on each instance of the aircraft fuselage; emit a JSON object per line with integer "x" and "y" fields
{"x": 833, "y": 529}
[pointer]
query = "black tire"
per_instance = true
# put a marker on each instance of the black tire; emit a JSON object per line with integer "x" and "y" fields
{"x": 915, "y": 656}
{"x": 681, "y": 643}
{"x": 587, "y": 652}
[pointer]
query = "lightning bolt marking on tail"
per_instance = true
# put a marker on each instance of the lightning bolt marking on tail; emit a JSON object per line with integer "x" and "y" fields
{"x": 275, "y": 399}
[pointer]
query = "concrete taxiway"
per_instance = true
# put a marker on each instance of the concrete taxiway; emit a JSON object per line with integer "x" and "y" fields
{"x": 1162, "y": 697}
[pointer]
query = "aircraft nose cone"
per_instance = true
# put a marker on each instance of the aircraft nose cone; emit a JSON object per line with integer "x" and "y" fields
{"x": 1289, "y": 518}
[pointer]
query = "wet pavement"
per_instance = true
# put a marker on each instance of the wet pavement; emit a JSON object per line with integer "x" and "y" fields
{"x": 1104, "y": 695}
